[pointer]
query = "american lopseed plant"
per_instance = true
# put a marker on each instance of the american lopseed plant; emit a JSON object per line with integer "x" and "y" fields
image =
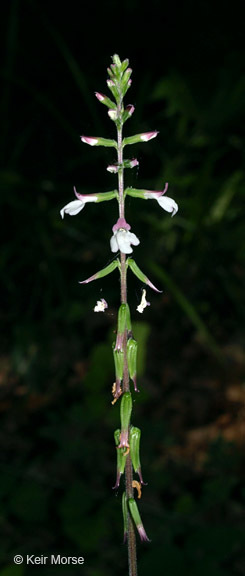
{"x": 127, "y": 437}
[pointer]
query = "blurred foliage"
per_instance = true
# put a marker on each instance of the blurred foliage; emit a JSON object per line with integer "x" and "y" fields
{"x": 56, "y": 368}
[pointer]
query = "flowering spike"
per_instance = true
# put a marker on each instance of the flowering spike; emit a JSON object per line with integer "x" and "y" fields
{"x": 125, "y": 414}
{"x": 137, "y": 519}
{"x": 136, "y": 270}
{"x": 104, "y": 272}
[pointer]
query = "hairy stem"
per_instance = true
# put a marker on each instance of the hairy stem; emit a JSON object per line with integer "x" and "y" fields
{"x": 132, "y": 557}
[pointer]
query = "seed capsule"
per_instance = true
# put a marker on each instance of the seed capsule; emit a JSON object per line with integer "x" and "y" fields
{"x": 137, "y": 519}
{"x": 125, "y": 414}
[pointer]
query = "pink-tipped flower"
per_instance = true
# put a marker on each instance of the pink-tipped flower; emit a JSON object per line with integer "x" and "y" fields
{"x": 146, "y": 136}
{"x": 134, "y": 162}
{"x": 90, "y": 140}
{"x": 113, "y": 168}
{"x": 130, "y": 109}
{"x": 165, "y": 202}
{"x": 76, "y": 206}
{"x": 101, "y": 97}
{"x": 122, "y": 238}
{"x": 112, "y": 114}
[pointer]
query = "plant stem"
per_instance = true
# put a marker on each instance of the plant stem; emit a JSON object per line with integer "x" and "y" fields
{"x": 132, "y": 557}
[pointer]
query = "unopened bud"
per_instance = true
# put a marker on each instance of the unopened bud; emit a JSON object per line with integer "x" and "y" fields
{"x": 113, "y": 88}
{"x": 113, "y": 168}
{"x": 105, "y": 100}
{"x": 116, "y": 61}
{"x": 129, "y": 110}
{"x": 94, "y": 141}
{"x": 112, "y": 115}
{"x": 137, "y": 519}
{"x": 144, "y": 137}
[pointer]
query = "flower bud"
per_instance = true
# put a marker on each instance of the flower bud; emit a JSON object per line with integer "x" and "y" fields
{"x": 96, "y": 141}
{"x": 113, "y": 168}
{"x": 113, "y": 88}
{"x": 121, "y": 458}
{"x": 144, "y": 137}
{"x": 126, "y": 81}
{"x": 105, "y": 100}
{"x": 116, "y": 61}
{"x": 136, "y": 270}
{"x": 137, "y": 519}
{"x": 113, "y": 115}
{"x": 132, "y": 360}
{"x": 125, "y": 415}
{"x": 130, "y": 163}
{"x": 128, "y": 112}
{"x": 134, "y": 441}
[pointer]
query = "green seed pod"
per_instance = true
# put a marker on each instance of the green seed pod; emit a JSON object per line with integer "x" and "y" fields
{"x": 123, "y": 324}
{"x": 134, "y": 441}
{"x": 125, "y": 414}
{"x": 137, "y": 519}
{"x": 121, "y": 459}
{"x": 132, "y": 357}
{"x": 118, "y": 361}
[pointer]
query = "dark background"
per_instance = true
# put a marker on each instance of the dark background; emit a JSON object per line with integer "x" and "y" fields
{"x": 56, "y": 367}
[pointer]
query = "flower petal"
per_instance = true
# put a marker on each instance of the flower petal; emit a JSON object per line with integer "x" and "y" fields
{"x": 72, "y": 208}
{"x": 114, "y": 244}
{"x": 133, "y": 239}
{"x": 168, "y": 204}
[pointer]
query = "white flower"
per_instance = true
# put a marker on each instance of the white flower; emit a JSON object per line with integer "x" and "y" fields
{"x": 165, "y": 202}
{"x": 122, "y": 240}
{"x": 72, "y": 208}
{"x": 77, "y": 205}
{"x": 101, "y": 305}
{"x": 143, "y": 304}
{"x": 168, "y": 204}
